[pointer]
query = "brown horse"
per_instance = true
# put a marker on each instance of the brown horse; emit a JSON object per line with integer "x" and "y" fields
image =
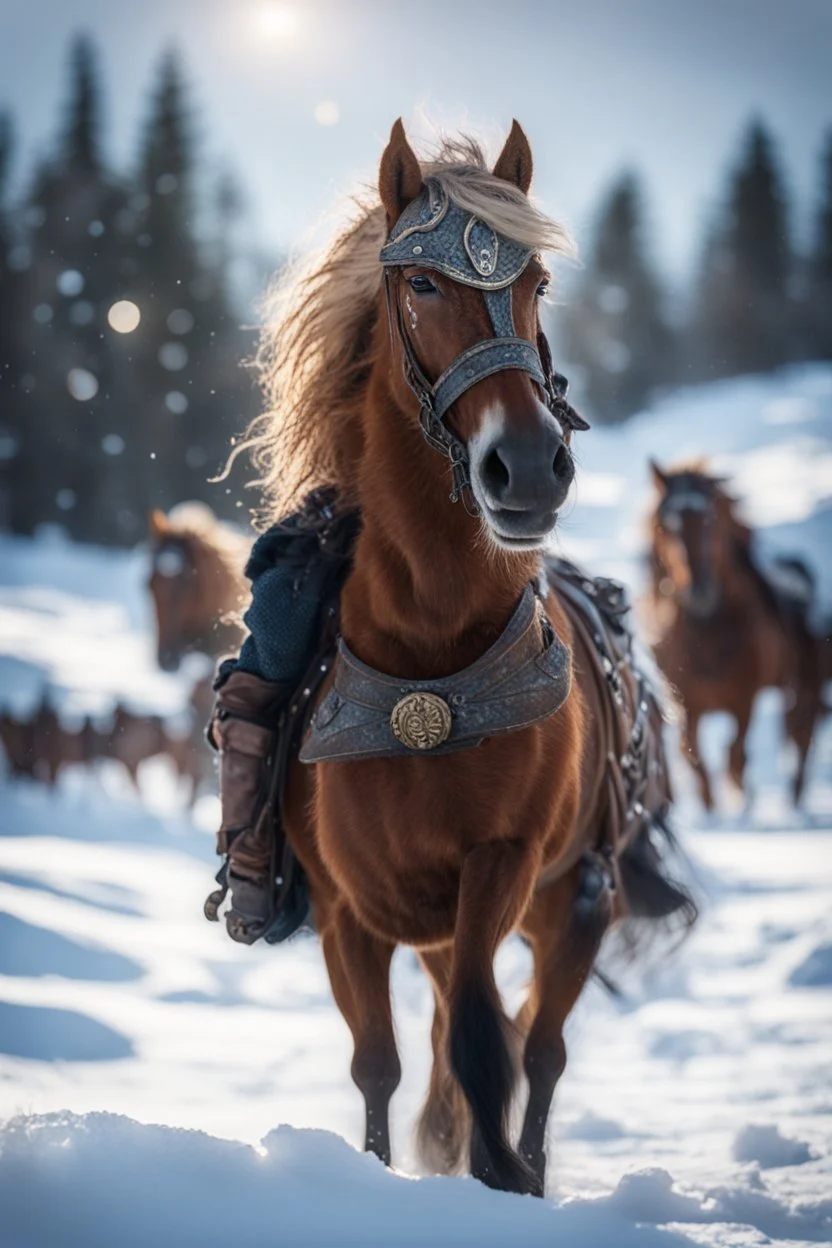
{"x": 723, "y": 631}
{"x": 41, "y": 746}
{"x": 196, "y": 582}
{"x": 449, "y": 853}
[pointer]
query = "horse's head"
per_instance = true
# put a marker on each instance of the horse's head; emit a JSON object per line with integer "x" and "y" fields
{"x": 462, "y": 301}
{"x": 172, "y": 584}
{"x": 687, "y": 538}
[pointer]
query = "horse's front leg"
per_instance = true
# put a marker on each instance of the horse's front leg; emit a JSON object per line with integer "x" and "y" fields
{"x": 736, "y": 754}
{"x": 564, "y": 924}
{"x": 690, "y": 749}
{"x": 496, "y": 882}
{"x": 359, "y": 971}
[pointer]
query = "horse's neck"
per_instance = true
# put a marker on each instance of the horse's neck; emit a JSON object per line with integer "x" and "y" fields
{"x": 222, "y": 587}
{"x": 222, "y": 582}
{"x": 738, "y": 580}
{"x": 427, "y": 594}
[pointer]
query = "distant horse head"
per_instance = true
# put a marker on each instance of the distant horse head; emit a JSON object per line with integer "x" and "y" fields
{"x": 196, "y": 582}
{"x": 694, "y": 537}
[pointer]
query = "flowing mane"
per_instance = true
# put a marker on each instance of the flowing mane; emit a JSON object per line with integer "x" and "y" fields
{"x": 316, "y": 351}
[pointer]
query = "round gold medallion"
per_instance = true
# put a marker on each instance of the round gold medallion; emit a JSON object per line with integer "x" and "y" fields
{"x": 421, "y": 721}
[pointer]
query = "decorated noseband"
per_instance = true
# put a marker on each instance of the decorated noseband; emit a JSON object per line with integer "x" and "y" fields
{"x": 433, "y": 232}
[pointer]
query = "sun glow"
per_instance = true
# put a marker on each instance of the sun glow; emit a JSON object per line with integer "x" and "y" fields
{"x": 276, "y": 21}
{"x": 327, "y": 113}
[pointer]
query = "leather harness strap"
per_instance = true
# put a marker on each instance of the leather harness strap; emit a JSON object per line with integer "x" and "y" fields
{"x": 523, "y": 678}
{"x": 636, "y": 776}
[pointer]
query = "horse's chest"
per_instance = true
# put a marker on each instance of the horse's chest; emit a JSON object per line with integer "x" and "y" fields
{"x": 704, "y": 651}
{"x": 395, "y": 837}
{"x": 401, "y": 880}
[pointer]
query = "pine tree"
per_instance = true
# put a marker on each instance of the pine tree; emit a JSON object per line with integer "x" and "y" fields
{"x": 10, "y": 346}
{"x": 81, "y": 142}
{"x": 615, "y": 328}
{"x": 194, "y": 394}
{"x": 744, "y": 319}
{"x": 819, "y": 301}
{"x": 73, "y": 212}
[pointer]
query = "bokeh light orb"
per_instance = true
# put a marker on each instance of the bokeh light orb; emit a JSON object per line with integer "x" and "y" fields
{"x": 82, "y": 384}
{"x": 124, "y": 316}
{"x": 66, "y": 499}
{"x": 180, "y": 321}
{"x": 70, "y": 283}
{"x": 176, "y": 402}
{"x": 327, "y": 113}
{"x": 112, "y": 444}
{"x": 173, "y": 356}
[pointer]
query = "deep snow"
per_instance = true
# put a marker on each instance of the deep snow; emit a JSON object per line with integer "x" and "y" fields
{"x": 701, "y": 1103}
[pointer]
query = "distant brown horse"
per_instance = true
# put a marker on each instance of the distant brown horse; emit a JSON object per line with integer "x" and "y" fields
{"x": 196, "y": 582}
{"x": 40, "y": 746}
{"x": 451, "y": 852}
{"x": 723, "y": 631}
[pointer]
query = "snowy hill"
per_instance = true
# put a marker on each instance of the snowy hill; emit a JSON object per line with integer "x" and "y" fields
{"x": 161, "y": 1084}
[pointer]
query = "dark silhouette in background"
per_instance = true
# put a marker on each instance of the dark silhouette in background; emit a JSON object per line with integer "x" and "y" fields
{"x": 615, "y": 325}
{"x": 819, "y": 285}
{"x": 744, "y": 319}
{"x": 103, "y": 417}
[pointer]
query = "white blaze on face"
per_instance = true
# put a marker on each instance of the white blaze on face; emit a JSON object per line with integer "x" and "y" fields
{"x": 492, "y": 427}
{"x": 170, "y": 562}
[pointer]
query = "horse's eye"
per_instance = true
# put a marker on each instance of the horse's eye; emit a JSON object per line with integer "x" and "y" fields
{"x": 543, "y": 289}
{"x": 421, "y": 284}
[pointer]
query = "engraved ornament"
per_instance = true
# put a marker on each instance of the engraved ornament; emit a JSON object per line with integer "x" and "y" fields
{"x": 421, "y": 721}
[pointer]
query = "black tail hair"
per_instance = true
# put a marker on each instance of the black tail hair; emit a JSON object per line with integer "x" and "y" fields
{"x": 650, "y": 892}
{"x": 481, "y": 1060}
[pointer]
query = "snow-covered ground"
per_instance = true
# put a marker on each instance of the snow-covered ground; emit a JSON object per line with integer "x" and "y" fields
{"x": 159, "y": 1082}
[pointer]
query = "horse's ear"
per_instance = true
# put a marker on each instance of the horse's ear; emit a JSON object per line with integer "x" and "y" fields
{"x": 660, "y": 478}
{"x": 157, "y": 523}
{"x": 399, "y": 176}
{"x": 514, "y": 164}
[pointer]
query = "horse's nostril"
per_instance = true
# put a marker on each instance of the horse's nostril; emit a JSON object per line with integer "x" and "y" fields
{"x": 496, "y": 471}
{"x": 562, "y": 463}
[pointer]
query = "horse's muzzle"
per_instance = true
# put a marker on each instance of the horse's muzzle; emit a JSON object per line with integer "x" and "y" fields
{"x": 521, "y": 479}
{"x": 701, "y": 600}
{"x": 169, "y": 660}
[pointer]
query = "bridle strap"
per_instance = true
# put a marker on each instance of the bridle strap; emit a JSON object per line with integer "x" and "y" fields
{"x": 484, "y": 359}
{"x": 492, "y": 355}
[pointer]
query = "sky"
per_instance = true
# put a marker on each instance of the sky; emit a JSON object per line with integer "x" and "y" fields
{"x": 297, "y": 98}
